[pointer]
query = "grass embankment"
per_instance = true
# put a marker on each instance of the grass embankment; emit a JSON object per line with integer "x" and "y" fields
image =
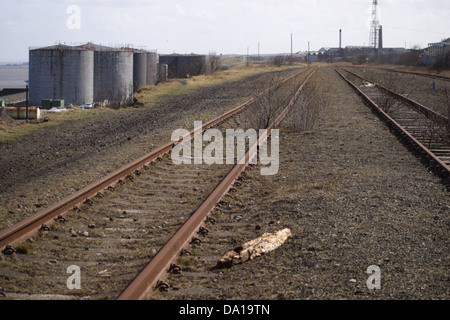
{"x": 148, "y": 97}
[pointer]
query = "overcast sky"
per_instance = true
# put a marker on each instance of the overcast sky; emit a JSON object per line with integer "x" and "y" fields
{"x": 225, "y": 26}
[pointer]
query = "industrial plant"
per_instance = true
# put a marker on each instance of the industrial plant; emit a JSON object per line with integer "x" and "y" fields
{"x": 91, "y": 73}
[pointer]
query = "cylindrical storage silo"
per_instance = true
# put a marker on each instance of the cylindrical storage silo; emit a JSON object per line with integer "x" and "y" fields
{"x": 163, "y": 73}
{"x": 61, "y": 73}
{"x": 152, "y": 68}
{"x": 113, "y": 76}
{"x": 139, "y": 70}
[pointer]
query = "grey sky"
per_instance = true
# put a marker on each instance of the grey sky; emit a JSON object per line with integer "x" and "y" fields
{"x": 226, "y": 27}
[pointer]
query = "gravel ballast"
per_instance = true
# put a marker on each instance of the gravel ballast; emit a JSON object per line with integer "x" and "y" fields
{"x": 352, "y": 196}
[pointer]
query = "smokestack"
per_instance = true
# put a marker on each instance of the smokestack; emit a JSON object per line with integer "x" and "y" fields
{"x": 380, "y": 38}
{"x": 340, "y": 38}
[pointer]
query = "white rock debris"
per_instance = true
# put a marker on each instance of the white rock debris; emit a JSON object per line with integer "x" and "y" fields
{"x": 255, "y": 248}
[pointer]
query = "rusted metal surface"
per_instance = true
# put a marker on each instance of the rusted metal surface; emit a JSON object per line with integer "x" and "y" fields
{"x": 437, "y": 165}
{"x": 30, "y": 226}
{"x": 156, "y": 270}
{"x": 427, "y": 112}
{"x": 428, "y": 75}
{"x": 20, "y": 113}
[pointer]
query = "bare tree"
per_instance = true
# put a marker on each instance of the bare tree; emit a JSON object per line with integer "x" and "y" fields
{"x": 395, "y": 82}
{"x": 214, "y": 62}
{"x": 268, "y": 106}
{"x": 307, "y": 111}
{"x": 278, "y": 61}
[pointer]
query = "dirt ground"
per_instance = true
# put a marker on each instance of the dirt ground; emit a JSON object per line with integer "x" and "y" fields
{"x": 42, "y": 168}
{"x": 353, "y": 197}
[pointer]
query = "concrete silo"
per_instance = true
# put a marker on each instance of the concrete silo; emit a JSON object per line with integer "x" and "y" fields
{"x": 61, "y": 73}
{"x": 113, "y": 76}
{"x": 152, "y": 68}
{"x": 139, "y": 70}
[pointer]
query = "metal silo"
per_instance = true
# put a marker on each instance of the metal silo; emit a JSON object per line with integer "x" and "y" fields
{"x": 152, "y": 68}
{"x": 184, "y": 66}
{"x": 61, "y": 73}
{"x": 113, "y": 76}
{"x": 139, "y": 70}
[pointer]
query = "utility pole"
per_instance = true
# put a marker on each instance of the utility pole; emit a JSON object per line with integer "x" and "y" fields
{"x": 307, "y": 57}
{"x": 248, "y": 56}
{"x": 444, "y": 58}
{"x": 27, "y": 100}
{"x": 292, "y": 48}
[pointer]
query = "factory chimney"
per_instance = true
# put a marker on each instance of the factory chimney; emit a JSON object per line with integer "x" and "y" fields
{"x": 340, "y": 38}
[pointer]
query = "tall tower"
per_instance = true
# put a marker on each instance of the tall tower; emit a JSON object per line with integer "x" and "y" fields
{"x": 374, "y": 26}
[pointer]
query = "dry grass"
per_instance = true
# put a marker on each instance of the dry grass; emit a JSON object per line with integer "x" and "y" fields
{"x": 147, "y": 97}
{"x": 307, "y": 111}
{"x": 11, "y": 130}
{"x": 151, "y": 95}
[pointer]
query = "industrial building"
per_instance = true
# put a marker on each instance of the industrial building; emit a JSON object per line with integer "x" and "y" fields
{"x": 89, "y": 73}
{"x": 184, "y": 66}
{"x": 152, "y": 68}
{"x": 437, "y": 53}
{"x": 61, "y": 72}
{"x": 113, "y": 75}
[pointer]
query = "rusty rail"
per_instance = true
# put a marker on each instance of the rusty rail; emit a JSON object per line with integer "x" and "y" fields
{"x": 428, "y": 75}
{"x": 427, "y": 112}
{"x": 29, "y": 227}
{"x": 429, "y": 158}
{"x": 159, "y": 266}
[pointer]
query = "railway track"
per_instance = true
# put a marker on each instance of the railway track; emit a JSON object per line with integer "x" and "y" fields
{"x": 391, "y": 70}
{"x": 428, "y": 75}
{"x": 426, "y": 89}
{"x": 109, "y": 231}
{"x": 424, "y": 130}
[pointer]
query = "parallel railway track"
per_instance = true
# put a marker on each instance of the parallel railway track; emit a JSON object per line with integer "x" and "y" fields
{"x": 424, "y": 130}
{"x": 428, "y": 75}
{"x": 112, "y": 228}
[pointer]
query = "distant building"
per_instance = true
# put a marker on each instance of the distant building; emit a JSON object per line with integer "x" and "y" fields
{"x": 184, "y": 65}
{"x": 312, "y": 56}
{"x": 439, "y": 48}
{"x": 88, "y": 73}
{"x": 436, "y": 52}
{"x": 324, "y": 49}
{"x": 331, "y": 54}
{"x": 299, "y": 57}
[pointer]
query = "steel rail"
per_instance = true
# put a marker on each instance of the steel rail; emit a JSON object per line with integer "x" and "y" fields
{"x": 29, "y": 227}
{"x": 430, "y": 159}
{"x": 427, "y": 112}
{"x": 428, "y": 75}
{"x": 159, "y": 266}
